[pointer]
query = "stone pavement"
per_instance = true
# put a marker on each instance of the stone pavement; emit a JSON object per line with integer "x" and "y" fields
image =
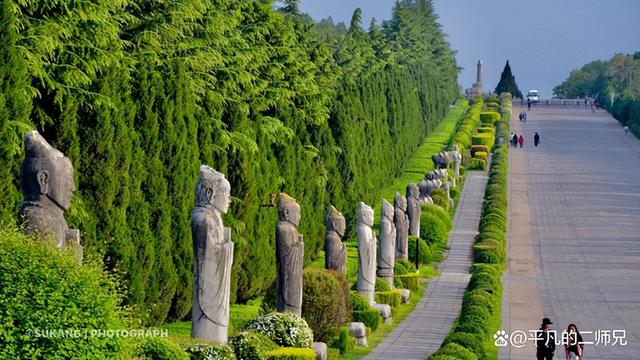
{"x": 576, "y": 259}
{"x": 422, "y": 332}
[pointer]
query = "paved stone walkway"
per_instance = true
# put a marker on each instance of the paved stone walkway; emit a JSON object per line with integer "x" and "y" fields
{"x": 574, "y": 236}
{"x": 422, "y": 332}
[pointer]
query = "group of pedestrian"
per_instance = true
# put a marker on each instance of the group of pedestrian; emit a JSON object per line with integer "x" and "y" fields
{"x": 519, "y": 140}
{"x": 523, "y": 117}
{"x": 546, "y": 342}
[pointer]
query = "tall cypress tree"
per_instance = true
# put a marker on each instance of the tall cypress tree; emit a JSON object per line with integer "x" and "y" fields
{"x": 507, "y": 82}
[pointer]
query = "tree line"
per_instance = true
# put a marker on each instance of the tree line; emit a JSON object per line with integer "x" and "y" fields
{"x": 139, "y": 94}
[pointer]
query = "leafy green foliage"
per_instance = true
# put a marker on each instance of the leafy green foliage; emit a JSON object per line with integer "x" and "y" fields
{"x": 44, "y": 291}
{"x": 139, "y": 95}
{"x": 326, "y": 302}
{"x": 162, "y": 349}
{"x": 284, "y": 329}
{"x": 289, "y": 353}
{"x": 251, "y": 345}
{"x": 424, "y": 251}
{"x": 209, "y": 352}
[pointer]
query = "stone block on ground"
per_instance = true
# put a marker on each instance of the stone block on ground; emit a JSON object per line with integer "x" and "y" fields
{"x": 358, "y": 331}
{"x": 385, "y": 312}
{"x": 405, "y": 294}
{"x": 321, "y": 350}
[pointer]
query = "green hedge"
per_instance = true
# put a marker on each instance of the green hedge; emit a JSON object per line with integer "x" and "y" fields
{"x": 251, "y": 345}
{"x": 370, "y": 318}
{"x": 392, "y": 298}
{"x": 476, "y": 164}
{"x": 161, "y": 349}
{"x": 326, "y": 302}
{"x": 482, "y": 156}
{"x": 433, "y": 229}
{"x": 489, "y": 117}
{"x": 466, "y": 128}
{"x": 483, "y": 139}
{"x": 481, "y": 303}
{"x": 453, "y": 351}
{"x": 44, "y": 289}
{"x": 425, "y": 252}
{"x": 408, "y": 281}
{"x": 291, "y": 354}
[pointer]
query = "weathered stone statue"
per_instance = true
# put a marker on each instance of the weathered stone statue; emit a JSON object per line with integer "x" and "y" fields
{"x": 401, "y": 221}
{"x": 425, "y": 191}
{"x": 289, "y": 256}
{"x": 47, "y": 186}
{"x": 213, "y": 257}
{"x": 413, "y": 209}
{"x": 366, "y": 252}
{"x": 387, "y": 258}
{"x": 441, "y": 160}
{"x": 457, "y": 159}
{"x": 447, "y": 187}
{"x": 335, "y": 251}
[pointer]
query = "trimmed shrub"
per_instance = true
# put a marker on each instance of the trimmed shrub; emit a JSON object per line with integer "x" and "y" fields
{"x": 433, "y": 230}
{"x": 290, "y": 353}
{"x": 470, "y": 342}
{"x": 476, "y": 164}
{"x": 285, "y": 329}
{"x": 454, "y": 351}
{"x": 154, "y": 348}
{"x": 251, "y": 345}
{"x": 425, "y": 252}
{"x": 489, "y": 117}
{"x": 393, "y": 298}
{"x": 438, "y": 213}
{"x": 382, "y": 285}
{"x": 43, "y": 288}
{"x": 408, "y": 281}
{"x": 440, "y": 198}
{"x": 482, "y": 156}
{"x": 486, "y": 130}
{"x": 402, "y": 267}
{"x": 478, "y": 148}
{"x": 359, "y": 302}
{"x": 483, "y": 139}
{"x": 370, "y": 318}
{"x": 326, "y": 302}
{"x": 342, "y": 342}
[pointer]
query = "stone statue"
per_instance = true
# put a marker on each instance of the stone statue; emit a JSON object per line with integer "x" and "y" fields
{"x": 425, "y": 191}
{"x": 335, "y": 251}
{"x": 366, "y": 252}
{"x": 387, "y": 258}
{"x": 47, "y": 186}
{"x": 441, "y": 160}
{"x": 447, "y": 187}
{"x": 457, "y": 159}
{"x": 413, "y": 209}
{"x": 213, "y": 257}
{"x": 401, "y": 221}
{"x": 289, "y": 256}
{"x": 437, "y": 174}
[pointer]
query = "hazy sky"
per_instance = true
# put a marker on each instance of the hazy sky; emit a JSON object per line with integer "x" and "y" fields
{"x": 543, "y": 42}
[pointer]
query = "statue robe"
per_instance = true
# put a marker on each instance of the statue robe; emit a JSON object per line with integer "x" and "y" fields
{"x": 386, "y": 261}
{"x": 366, "y": 261}
{"x": 401, "y": 221}
{"x": 289, "y": 261}
{"x": 335, "y": 253}
{"x": 213, "y": 252}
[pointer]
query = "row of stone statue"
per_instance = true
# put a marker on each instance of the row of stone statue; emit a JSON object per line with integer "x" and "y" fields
{"x": 47, "y": 183}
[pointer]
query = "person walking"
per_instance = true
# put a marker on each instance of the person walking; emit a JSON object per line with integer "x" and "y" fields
{"x": 529, "y": 104}
{"x": 514, "y": 140}
{"x": 574, "y": 348}
{"x": 545, "y": 341}
{"x": 524, "y": 117}
{"x": 521, "y": 141}
{"x": 520, "y": 116}
{"x": 536, "y": 139}
{"x": 626, "y": 130}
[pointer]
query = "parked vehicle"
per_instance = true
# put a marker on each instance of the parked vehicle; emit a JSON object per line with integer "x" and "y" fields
{"x": 533, "y": 96}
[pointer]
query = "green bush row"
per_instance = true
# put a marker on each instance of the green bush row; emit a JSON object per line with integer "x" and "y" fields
{"x": 476, "y": 164}
{"x": 489, "y": 117}
{"x": 392, "y": 298}
{"x": 291, "y": 354}
{"x": 481, "y": 303}
{"x": 465, "y": 130}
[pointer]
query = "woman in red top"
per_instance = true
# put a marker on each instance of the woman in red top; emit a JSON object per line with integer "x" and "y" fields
{"x": 521, "y": 141}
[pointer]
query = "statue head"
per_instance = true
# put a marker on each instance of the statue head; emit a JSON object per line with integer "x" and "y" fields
{"x": 456, "y": 148}
{"x": 212, "y": 190}
{"x": 413, "y": 191}
{"x": 387, "y": 210}
{"x": 288, "y": 209}
{"x": 400, "y": 202}
{"x": 335, "y": 221}
{"x": 46, "y": 172}
{"x": 365, "y": 214}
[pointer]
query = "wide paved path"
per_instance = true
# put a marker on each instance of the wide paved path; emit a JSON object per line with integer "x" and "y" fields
{"x": 422, "y": 332}
{"x": 574, "y": 231}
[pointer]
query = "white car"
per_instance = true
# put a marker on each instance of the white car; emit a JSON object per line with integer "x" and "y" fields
{"x": 533, "y": 96}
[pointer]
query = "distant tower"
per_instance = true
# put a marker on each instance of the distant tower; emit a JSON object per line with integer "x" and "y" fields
{"x": 476, "y": 89}
{"x": 479, "y": 74}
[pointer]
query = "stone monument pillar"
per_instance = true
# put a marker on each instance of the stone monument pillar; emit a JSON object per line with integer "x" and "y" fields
{"x": 335, "y": 251}
{"x": 366, "y": 252}
{"x": 213, "y": 257}
{"x": 479, "y": 74}
{"x": 413, "y": 209}
{"x": 457, "y": 159}
{"x": 289, "y": 256}
{"x": 47, "y": 186}
{"x": 401, "y": 221}
{"x": 388, "y": 234}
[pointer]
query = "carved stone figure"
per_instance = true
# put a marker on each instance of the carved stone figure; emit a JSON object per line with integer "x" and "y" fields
{"x": 366, "y": 252}
{"x": 401, "y": 221}
{"x": 47, "y": 186}
{"x": 424, "y": 192}
{"x": 413, "y": 209}
{"x": 447, "y": 188}
{"x": 437, "y": 174}
{"x": 335, "y": 251}
{"x": 213, "y": 257}
{"x": 289, "y": 256}
{"x": 387, "y": 258}
{"x": 441, "y": 160}
{"x": 457, "y": 159}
